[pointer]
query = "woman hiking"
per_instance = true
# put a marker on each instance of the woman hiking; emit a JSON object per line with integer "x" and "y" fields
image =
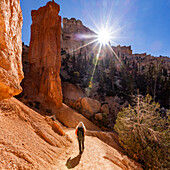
{"x": 80, "y": 133}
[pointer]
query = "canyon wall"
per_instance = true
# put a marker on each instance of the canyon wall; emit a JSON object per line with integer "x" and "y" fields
{"x": 76, "y": 35}
{"x": 44, "y": 57}
{"x": 10, "y": 48}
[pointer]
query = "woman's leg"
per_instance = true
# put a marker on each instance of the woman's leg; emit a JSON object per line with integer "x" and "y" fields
{"x": 79, "y": 141}
{"x": 83, "y": 143}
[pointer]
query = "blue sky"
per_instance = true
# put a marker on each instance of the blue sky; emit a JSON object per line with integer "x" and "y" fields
{"x": 143, "y": 24}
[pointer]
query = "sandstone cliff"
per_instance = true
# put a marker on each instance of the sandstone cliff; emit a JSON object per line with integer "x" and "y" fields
{"x": 43, "y": 79}
{"x": 10, "y": 48}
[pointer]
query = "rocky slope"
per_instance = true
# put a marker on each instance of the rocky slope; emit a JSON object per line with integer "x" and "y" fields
{"x": 43, "y": 80}
{"x": 27, "y": 139}
{"x": 11, "y": 72}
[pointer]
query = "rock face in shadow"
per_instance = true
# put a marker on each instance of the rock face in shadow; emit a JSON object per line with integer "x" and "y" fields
{"x": 44, "y": 57}
{"x": 71, "y": 92}
{"x": 71, "y": 118}
{"x": 73, "y": 33}
{"x": 10, "y": 48}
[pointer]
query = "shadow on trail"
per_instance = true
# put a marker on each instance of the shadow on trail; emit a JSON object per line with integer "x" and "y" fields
{"x": 71, "y": 163}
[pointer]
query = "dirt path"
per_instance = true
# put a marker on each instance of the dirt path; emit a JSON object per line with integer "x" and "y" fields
{"x": 93, "y": 157}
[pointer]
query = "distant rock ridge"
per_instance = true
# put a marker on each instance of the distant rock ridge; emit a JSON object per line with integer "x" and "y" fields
{"x": 43, "y": 78}
{"x": 142, "y": 59}
{"x": 11, "y": 73}
{"x": 67, "y": 21}
{"x": 75, "y": 26}
{"x": 74, "y": 35}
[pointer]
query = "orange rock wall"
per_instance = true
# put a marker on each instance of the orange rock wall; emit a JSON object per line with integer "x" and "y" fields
{"x": 10, "y": 48}
{"x": 44, "y": 53}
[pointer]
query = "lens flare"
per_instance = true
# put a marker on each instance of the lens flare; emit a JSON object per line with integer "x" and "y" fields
{"x": 107, "y": 31}
{"x": 104, "y": 37}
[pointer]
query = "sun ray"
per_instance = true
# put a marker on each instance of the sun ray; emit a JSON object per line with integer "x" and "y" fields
{"x": 84, "y": 45}
{"x": 97, "y": 57}
{"x": 109, "y": 16}
{"x": 104, "y": 36}
{"x": 121, "y": 28}
{"x": 115, "y": 54}
{"x": 92, "y": 49}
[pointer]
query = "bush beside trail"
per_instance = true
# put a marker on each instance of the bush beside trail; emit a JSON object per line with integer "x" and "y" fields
{"x": 144, "y": 133}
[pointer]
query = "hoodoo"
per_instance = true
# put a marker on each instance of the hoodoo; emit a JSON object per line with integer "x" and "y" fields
{"x": 44, "y": 55}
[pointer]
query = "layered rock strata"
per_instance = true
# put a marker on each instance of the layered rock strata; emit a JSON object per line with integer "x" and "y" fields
{"x": 10, "y": 48}
{"x": 28, "y": 139}
{"x": 44, "y": 55}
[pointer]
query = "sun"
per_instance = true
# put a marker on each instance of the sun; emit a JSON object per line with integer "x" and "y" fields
{"x": 103, "y": 37}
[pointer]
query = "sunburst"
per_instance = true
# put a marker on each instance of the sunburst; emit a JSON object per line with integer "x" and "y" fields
{"x": 104, "y": 35}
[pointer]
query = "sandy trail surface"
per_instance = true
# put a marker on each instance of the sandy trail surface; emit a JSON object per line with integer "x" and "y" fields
{"x": 94, "y": 157}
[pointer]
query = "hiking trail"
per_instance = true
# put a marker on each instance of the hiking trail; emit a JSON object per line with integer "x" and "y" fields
{"x": 97, "y": 155}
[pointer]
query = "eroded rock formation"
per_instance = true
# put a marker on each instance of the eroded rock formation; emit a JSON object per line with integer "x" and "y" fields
{"x": 10, "y": 48}
{"x": 44, "y": 55}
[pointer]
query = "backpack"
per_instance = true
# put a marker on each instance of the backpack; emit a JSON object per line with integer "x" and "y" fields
{"x": 80, "y": 133}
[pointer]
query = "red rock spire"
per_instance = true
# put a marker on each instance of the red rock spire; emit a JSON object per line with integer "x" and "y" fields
{"x": 44, "y": 54}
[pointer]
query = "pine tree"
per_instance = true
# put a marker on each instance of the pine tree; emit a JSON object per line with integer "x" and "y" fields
{"x": 143, "y": 132}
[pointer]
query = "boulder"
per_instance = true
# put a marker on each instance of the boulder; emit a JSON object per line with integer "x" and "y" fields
{"x": 10, "y": 48}
{"x": 98, "y": 116}
{"x": 43, "y": 79}
{"x": 72, "y": 92}
{"x": 71, "y": 118}
{"x": 105, "y": 108}
{"x": 91, "y": 105}
{"x": 86, "y": 113}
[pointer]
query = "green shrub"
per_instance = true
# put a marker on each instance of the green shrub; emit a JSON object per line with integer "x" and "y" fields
{"x": 143, "y": 132}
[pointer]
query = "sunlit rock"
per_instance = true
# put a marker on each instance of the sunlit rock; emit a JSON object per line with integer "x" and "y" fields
{"x": 43, "y": 80}
{"x": 10, "y": 48}
{"x": 91, "y": 105}
{"x": 98, "y": 116}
